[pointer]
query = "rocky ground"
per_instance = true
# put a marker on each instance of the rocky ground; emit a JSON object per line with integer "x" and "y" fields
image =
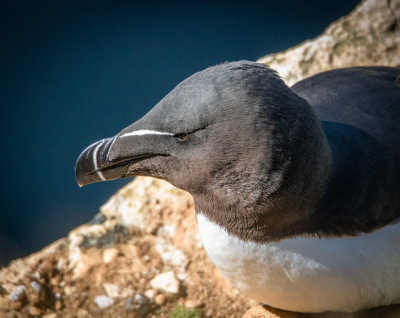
{"x": 142, "y": 256}
{"x": 369, "y": 35}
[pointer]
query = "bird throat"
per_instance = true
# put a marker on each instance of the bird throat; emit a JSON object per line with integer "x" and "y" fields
{"x": 287, "y": 211}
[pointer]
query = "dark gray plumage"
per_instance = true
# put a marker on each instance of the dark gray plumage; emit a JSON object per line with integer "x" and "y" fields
{"x": 296, "y": 189}
{"x": 239, "y": 139}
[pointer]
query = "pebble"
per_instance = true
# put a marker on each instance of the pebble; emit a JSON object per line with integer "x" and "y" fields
{"x": 69, "y": 290}
{"x": 126, "y": 292}
{"x": 18, "y": 294}
{"x": 138, "y": 303}
{"x": 34, "y": 311}
{"x": 193, "y": 303}
{"x": 55, "y": 280}
{"x": 57, "y": 305}
{"x": 150, "y": 293}
{"x": 159, "y": 299}
{"x": 83, "y": 313}
{"x": 53, "y": 315}
{"x": 36, "y": 286}
{"x": 111, "y": 290}
{"x": 129, "y": 305}
{"x": 60, "y": 264}
{"x": 140, "y": 299}
{"x": 182, "y": 276}
{"x": 110, "y": 255}
{"x": 166, "y": 282}
{"x": 103, "y": 301}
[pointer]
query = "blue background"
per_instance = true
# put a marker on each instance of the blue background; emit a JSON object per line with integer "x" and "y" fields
{"x": 75, "y": 72}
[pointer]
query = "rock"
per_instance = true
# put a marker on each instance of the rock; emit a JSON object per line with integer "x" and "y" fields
{"x": 126, "y": 292}
{"x": 110, "y": 255}
{"x": 150, "y": 293}
{"x": 170, "y": 254}
{"x": 53, "y": 315}
{"x": 18, "y": 294}
{"x": 129, "y": 305}
{"x": 111, "y": 290}
{"x": 159, "y": 299}
{"x": 370, "y": 35}
{"x": 166, "y": 282}
{"x": 83, "y": 313}
{"x": 138, "y": 303}
{"x": 140, "y": 299}
{"x": 82, "y": 261}
{"x": 103, "y": 301}
{"x": 34, "y": 311}
{"x": 114, "y": 291}
{"x": 68, "y": 290}
{"x": 193, "y": 303}
{"x": 57, "y": 305}
{"x": 36, "y": 286}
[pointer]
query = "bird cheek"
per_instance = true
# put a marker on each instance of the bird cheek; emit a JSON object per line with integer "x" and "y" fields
{"x": 149, "y": 168}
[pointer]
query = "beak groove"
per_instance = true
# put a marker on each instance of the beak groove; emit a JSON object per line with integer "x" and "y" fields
{"x": 94, "y": 164}
{"x": 88, "y": 168}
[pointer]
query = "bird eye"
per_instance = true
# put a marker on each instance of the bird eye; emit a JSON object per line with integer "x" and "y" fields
{"x": 182, "y": 136}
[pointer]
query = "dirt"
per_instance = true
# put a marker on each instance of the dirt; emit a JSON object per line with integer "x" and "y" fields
{"x": 127, "y": 260}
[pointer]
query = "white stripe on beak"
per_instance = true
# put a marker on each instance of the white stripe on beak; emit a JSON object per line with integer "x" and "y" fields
{"x": 94, "y": 158}
{"x": 144, "y": 132}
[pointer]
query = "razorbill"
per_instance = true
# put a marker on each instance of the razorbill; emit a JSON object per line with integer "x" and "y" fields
{"x": 297, "y": 190}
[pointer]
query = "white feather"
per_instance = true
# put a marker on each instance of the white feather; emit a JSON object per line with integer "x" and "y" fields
{"x": 309, "y": 274}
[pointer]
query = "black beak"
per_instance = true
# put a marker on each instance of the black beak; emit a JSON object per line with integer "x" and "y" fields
{"x": 92, "y": 164}
{"x": 110, "y": 158}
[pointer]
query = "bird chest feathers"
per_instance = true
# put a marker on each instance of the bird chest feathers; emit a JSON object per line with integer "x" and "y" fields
{"x": 309, "y": 274}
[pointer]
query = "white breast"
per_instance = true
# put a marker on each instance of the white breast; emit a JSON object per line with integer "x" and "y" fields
{"x": 310, "y": 274}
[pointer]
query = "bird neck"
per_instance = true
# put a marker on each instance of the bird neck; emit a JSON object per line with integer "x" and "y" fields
{"x": 280, "y": 198}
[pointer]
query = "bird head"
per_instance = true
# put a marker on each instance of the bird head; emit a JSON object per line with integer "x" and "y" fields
{"x": 224, "y": 130}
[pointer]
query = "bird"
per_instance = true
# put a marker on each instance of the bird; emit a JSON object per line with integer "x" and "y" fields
{"x": 296, "y": 189}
